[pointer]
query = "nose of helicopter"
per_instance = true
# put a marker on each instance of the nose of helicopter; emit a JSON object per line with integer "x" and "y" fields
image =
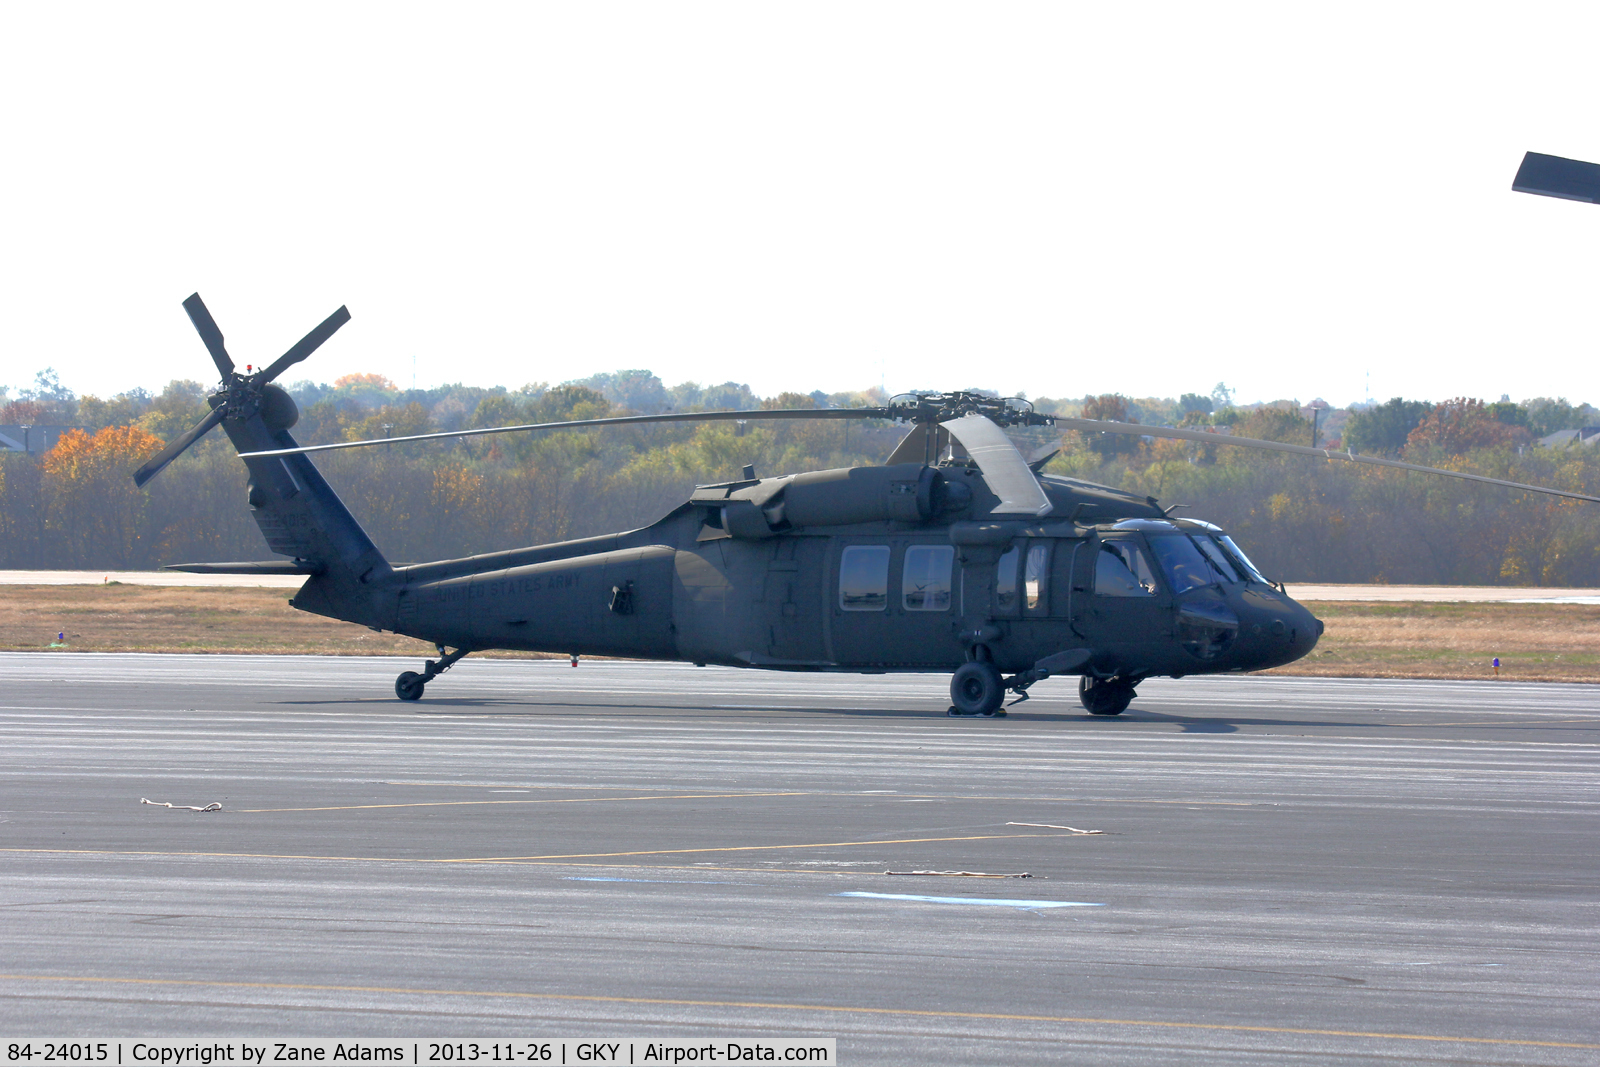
{"x": 1275, "y": 629}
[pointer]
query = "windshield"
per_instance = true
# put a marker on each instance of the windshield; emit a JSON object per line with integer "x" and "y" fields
{"x": 1241, "y": 560}
{"x": 1217, "y": 558}
{"x": 1181, "y": 562}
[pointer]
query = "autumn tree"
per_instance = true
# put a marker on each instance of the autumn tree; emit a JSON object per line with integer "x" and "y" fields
{"x": 1274, "y": 423}
{"x": 1462, "y": 424}
{"x": 1109, "y": 407}
{"x": 1384, "y": 428}
{"x": 93, "y": 503}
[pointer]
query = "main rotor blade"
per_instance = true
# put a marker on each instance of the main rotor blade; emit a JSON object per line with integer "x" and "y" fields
{"x": 172, "y": 451}
{"x": 307, "y": 344}
{"x": 206, "y": 326}
{"x": 1093, "y": 425}
{"x": 1566, "y": 179}
{"x": 621, "y": 420}
{"x": 1002, "y": 465}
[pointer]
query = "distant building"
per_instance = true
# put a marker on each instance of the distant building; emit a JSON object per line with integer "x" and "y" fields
{"x": 30, "y": 438}
{"x": 1589, "y": 435}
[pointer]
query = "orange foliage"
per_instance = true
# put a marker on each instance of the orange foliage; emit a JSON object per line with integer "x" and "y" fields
{"x": 94, "y": 502}
{"x": 456, "y": 489}
{"x": 1462, "y": 424}
{"x": 79, "y": 457}
{"x": 374, "y": 380}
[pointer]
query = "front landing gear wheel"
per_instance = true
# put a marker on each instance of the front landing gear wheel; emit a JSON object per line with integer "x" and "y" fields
{"x": 1109, "y": 696}
{"x": 409, "y": 686}
{"x": 976, "y": 689}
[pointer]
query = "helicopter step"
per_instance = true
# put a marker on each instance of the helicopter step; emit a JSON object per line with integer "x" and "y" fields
{"x": 408, "y": 686}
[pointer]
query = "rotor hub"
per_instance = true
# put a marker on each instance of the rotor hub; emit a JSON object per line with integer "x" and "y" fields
{"x": 933, "y": 408}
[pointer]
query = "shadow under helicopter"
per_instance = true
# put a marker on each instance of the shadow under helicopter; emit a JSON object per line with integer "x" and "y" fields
{"x": 443, "y": 708}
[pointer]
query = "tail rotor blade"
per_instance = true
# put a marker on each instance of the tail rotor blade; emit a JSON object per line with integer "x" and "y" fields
{"x": 172, "y": 451}
{"x": 307, "y": 344}
{"x": 206, "y": 326}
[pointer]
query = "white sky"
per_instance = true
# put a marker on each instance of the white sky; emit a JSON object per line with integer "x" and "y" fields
{"x": 1054, "y": 198}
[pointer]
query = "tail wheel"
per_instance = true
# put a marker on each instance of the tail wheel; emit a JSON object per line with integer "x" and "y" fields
{"x": 1109, "y": 696}
{"x": 409, "y": 686}
{"x": 977, "y": 689}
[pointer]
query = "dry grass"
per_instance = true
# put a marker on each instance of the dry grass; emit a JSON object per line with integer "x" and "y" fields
{"x": 1535, "y": 642}
{"x": 149, "y": 618}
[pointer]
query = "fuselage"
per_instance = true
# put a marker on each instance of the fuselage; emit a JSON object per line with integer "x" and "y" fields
{"x": 872, "y": 569}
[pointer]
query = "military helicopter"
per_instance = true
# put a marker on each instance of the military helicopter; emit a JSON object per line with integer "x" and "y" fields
{"x": 956, "y": 555}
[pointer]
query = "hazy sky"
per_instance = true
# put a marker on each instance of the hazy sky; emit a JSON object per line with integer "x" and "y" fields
{"x": 1056, "y": 198}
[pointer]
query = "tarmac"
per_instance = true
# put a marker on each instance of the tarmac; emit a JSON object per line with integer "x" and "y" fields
{"x": 1286, "y": 870}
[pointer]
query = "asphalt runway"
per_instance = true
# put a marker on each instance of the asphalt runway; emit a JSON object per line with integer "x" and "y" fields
{"x": 1291, "y": 870}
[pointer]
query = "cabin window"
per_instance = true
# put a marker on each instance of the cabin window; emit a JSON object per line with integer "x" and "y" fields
{"x": 1036, "y": 578}
{"x": 864, "y": 578}
{"x": 925, "y": 581}
{"x": 1005, "y": 582}
{"x": 1181, "y": 562}
{"x": 1122, "y": 569}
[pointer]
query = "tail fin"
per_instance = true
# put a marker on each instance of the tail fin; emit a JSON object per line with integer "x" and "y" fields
{"x": 302, "y": 517}
{"x": 299, "y": 514}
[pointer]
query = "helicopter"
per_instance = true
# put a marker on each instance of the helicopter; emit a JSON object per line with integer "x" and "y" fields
{"x": 956, "y": 555}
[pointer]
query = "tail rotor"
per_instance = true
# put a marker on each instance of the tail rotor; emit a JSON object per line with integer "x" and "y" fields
{"x": 241, "y": 395}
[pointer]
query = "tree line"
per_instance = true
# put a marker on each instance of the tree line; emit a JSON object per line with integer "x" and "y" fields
{"x": 1301, "y": 519}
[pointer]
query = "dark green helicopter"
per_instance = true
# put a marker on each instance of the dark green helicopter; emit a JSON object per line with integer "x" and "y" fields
{"x": 956, "y": 555}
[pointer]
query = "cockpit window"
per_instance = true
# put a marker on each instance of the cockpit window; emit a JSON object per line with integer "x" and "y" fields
{"x": 1122, "y": 569}
{"x": 1181, "y": 562}
{"x": 1241, "y": 560}
{"x": 1217, "y": 558}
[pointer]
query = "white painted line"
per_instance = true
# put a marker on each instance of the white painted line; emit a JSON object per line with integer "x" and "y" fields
{"x": 991, "y": 901}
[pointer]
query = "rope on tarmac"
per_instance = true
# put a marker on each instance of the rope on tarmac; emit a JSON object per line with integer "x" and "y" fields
{"x": 961, "y": 874}
{"x": 180, "y": 807}
{"x": 1050, "y": 826}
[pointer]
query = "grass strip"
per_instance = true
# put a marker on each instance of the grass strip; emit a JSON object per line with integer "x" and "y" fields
{"x": 1534, "y": 642}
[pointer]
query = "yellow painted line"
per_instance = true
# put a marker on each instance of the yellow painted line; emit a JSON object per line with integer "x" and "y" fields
{"x": 1495, "y": 722}
{"x": 1050, "y": 800}
{"x": 563, "y": 800}
{"x": 508, "y": 859}
{"x": 772, "y": 1006}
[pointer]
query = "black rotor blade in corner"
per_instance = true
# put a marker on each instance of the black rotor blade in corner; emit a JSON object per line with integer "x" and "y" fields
{"x": 206, "y": 326}
{"x": 172, "y": 451}
{"x": 307, "y": 344}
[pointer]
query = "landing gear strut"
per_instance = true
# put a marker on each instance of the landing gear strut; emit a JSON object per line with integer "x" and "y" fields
{"x": 409, "y": 685}
{"x": 1106, "y": 696}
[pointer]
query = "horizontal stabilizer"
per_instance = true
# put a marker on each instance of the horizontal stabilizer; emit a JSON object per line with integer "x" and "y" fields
{"x": 269, "y": 566}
